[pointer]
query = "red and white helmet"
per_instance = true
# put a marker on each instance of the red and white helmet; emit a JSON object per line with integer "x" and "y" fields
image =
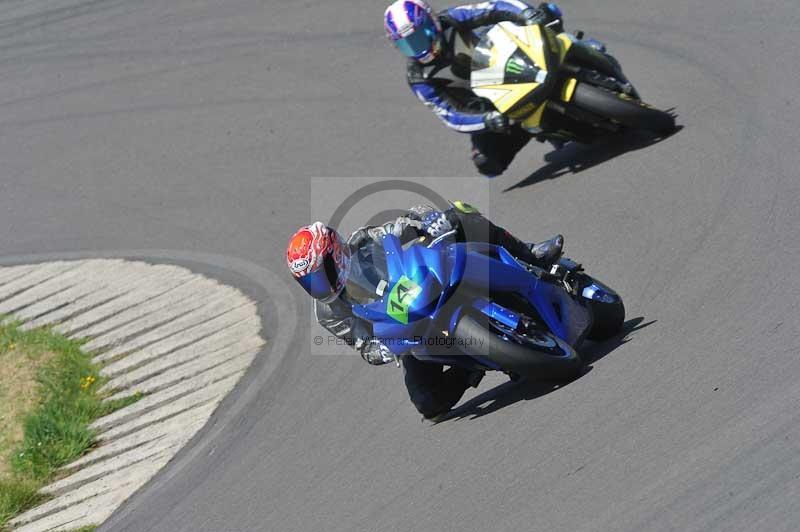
{"x": 319, "y": 260}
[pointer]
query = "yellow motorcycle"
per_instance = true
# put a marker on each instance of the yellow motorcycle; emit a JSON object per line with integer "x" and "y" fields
{"x": 557, "y": 86}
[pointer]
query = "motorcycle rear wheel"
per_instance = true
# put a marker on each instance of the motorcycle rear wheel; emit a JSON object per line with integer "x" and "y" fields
{"x": 541, "y": 357}
{"x": 622, "y": 109}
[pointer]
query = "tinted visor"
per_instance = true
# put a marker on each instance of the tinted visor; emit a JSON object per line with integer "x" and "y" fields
{"x": 419, "y": 43}
{"x": 321, "y": 284}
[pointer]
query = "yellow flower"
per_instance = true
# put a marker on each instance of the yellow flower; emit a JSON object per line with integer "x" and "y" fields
{"x": 87, "y": 381}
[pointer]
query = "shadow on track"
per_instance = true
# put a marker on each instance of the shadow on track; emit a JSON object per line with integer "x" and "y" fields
{"x": 574, "y": 157}
{"x": 510, "y": 392}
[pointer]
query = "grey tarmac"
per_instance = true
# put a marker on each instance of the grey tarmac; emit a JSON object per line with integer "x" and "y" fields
{"x": 195, "y": 127}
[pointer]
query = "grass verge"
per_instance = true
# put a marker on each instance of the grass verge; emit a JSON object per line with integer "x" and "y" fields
{"x": 49, "y": 394}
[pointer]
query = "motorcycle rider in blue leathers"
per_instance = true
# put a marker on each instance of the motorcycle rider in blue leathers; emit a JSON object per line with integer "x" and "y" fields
{"x": 319, "y": 259}
{"x": 439, "y": 50}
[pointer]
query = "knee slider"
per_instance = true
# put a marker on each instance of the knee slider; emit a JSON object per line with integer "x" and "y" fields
{"x": 487, "y": 165}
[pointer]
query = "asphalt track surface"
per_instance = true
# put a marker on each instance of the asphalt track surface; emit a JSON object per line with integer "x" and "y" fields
{"x": 193, "y": 128}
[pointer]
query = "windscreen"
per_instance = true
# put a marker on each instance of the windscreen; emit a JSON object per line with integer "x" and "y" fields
{"x": 482, "y": 54}
{"x": 368, "y": 273}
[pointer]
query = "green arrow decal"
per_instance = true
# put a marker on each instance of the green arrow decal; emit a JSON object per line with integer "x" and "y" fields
{"x": 402, "y": 295}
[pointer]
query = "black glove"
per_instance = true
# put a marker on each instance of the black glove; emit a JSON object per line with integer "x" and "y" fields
{"x": 532, "y": 16}
{"x": 544, "y": 14}
{"x": 495, "y": 121}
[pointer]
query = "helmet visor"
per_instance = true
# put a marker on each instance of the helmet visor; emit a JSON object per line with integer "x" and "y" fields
{"x": 322, "y": 283}
{"x": 420, "y": 42}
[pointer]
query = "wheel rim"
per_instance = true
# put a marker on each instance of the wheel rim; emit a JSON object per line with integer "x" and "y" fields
{"x": 532, "y": 338}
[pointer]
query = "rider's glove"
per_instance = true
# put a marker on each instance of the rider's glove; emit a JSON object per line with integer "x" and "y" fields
{"x": 532, "y": 16}
{"x": 358, "y": 238}
{"x": 375, "y": 353}
{"x": 435, "y": 224}
{"x": 495, "y": 121}
{"x": 545, "y": 13}
{"x": 551, "y": 9}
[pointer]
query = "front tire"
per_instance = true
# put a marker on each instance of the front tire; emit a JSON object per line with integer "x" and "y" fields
{"x": 544, "y": 358}
{"x": 607, "y": 319}
{"x": 622, "y": 109}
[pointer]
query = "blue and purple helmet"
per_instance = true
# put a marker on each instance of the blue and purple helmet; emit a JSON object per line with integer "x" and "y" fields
{"x": 414, "y": 28}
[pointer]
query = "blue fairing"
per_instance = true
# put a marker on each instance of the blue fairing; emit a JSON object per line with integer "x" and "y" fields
{"x": 425, "y": 279}
{"x": 436, "y": 271}
{"x": 507, "y": 275}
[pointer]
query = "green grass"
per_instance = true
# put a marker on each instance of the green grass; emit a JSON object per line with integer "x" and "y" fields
{"x": 15, "y": 496}
{"x": 55, "y": 428}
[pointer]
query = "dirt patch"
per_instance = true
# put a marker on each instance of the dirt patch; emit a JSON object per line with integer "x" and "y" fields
{"x": 18, "y": 396}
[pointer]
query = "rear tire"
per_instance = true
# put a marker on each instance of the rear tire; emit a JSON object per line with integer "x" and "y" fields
{"x": 618, "y": 107}
{"x": 554, "y": 363}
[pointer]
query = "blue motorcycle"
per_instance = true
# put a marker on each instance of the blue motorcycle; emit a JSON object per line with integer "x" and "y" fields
{"x": 475, "y": 306}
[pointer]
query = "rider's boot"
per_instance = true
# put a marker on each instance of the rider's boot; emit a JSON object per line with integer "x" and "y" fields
{"x": 548, "y": 251}
{"x": 627, "y": 86}
{"x": 551, "y": 138}
{"x": 488, "y": 167}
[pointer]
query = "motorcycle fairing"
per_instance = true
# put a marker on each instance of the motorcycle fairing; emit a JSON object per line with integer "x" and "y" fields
{"x": 419, "y": 282}
{"x": 515, "y": 67}
{"x": 512, "y": 65}
{"x": 506, "y": 274}
{"x": 429, "y": 276}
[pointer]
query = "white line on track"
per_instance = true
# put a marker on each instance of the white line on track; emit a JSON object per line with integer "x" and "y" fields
{"x": 181, "y": 338}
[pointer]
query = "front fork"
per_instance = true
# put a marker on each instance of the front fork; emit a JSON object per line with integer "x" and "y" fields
{"x": 572, "y": 75}
{"x": 603, "y": 69}
{"x": 585, "y": 61}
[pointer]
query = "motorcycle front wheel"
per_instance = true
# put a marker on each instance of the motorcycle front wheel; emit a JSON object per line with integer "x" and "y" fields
{"x": 537, "y": 354}
{"x": 622, "y": 109}
{"x": 608, "y": 319}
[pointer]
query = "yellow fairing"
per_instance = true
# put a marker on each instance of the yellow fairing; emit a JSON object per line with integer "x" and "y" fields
{"x": 564, "y": 44}
{"x": 534, "y": 120}
{"x": 568, "y": 89}
{"x": 534, "y": 42}
{"x": 509, "y": 94}
{"x": 531, "y": 42}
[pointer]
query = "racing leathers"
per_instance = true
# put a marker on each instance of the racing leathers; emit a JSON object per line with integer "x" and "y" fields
{"x": 432, "y": 389}
{"x": 444, "y": 84}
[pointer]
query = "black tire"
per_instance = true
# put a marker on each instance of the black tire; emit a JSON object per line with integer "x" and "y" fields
{"x": 478, "y": 340}
{"x": 622, "y": 109}
{"x": 607, "y": 319}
